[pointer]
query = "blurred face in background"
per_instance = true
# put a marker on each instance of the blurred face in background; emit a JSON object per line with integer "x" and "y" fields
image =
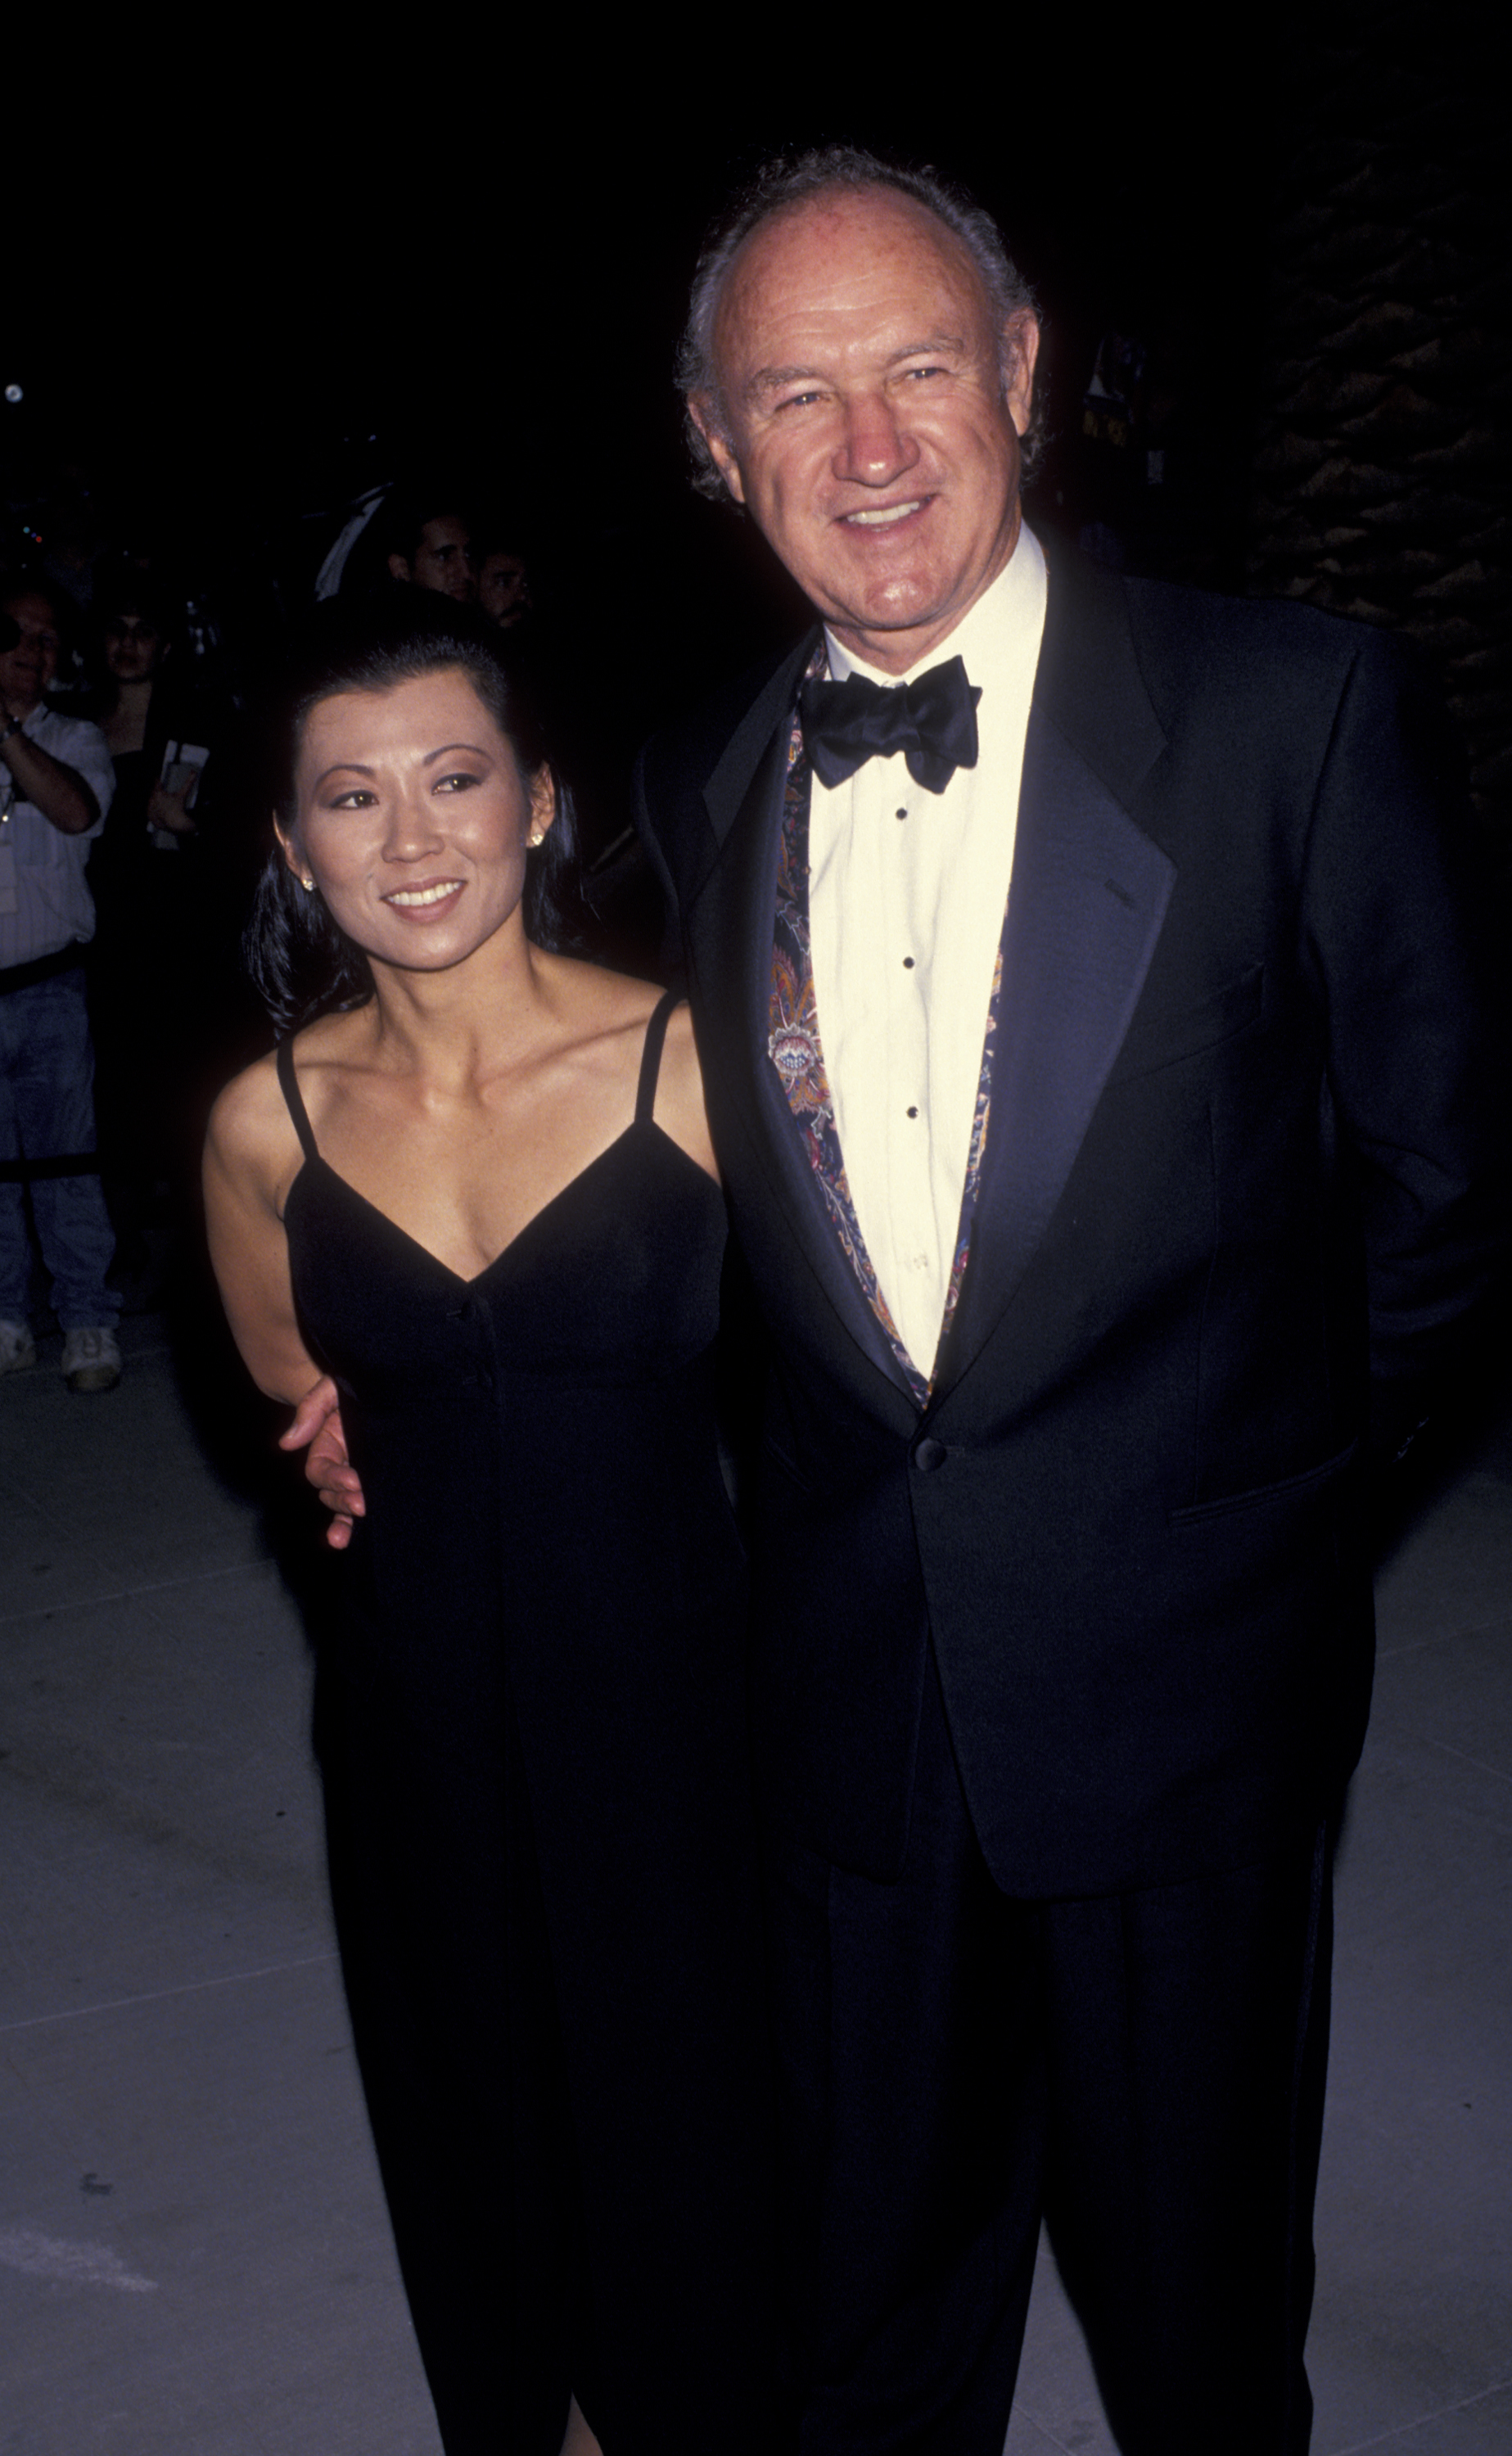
{"x": 132, "y": 647}
{"x": 27, "y": 669}
{"x": 442, "y": 560}
{"x": 504, "y": 589}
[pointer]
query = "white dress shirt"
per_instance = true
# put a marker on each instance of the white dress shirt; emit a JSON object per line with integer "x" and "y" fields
{"x": 906, "y": 892}
{"x": 45, "y": 902}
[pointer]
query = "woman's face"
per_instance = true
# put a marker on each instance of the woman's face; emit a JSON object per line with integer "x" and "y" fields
{"x": 133, "y": 646}
{"x": 413, "y": 819}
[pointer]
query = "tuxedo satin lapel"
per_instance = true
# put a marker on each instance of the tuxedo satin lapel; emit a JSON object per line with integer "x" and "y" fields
{"x": 726, "y": 795}
{"x": 1085, "y": 909}
{"x": 730, "y": 923}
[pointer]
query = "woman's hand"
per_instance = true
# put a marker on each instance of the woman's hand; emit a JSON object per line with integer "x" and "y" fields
{"x": 172, "y": 811}
{"x": 317, "y": 1421}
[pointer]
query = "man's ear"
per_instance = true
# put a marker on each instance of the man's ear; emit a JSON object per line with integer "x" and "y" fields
{"x": 702, "y": 412}
{"x": 1020, "y": 350}
{"x": 398, "y": 568}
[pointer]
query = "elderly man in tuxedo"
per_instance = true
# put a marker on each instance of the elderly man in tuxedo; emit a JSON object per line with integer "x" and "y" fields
{"x": 1080, "y": 975}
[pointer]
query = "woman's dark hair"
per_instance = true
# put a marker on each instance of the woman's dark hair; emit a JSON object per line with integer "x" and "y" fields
{"x": 123, "y": 589}
{"x": 300, "y": 962}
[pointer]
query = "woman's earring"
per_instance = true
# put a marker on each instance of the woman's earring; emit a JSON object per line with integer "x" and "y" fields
{"x": 539, "y": 837}
{"x": 308, "y": 884}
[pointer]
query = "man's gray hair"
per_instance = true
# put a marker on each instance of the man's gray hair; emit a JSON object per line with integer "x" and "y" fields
{"x": 789, "y": 180}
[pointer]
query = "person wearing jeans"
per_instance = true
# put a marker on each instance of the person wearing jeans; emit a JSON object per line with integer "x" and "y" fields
{"x": 56, "y": 787}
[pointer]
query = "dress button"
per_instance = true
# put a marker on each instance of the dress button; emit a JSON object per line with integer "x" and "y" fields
{"x": 928, "y": 1453}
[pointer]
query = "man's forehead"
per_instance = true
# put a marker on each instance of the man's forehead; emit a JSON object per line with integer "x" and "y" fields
{"x": 791, "y": 258}
{"x": 32, "y": 613}
{"x": 888, "y": 211}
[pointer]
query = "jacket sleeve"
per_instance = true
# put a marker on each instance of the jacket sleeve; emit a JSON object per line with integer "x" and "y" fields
{"x": 644, "y": 797}
{"x": 1396, "y": 915}
{"x": 644, "y": 801}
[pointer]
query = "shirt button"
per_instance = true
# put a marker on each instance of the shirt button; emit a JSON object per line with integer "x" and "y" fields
{"x": 899, "y": 814}
{"x": 928, "y": 1453}
{"x": 907, "y": 963}
{"x": 913, "y": 1113}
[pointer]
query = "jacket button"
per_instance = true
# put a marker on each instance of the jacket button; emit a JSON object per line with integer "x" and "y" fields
{"x": 928, "y": 1453}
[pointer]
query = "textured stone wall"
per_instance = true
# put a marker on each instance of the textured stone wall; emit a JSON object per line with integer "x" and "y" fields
{"x": 1382, "y": 470}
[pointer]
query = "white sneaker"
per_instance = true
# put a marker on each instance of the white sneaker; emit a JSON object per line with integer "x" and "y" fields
{"x": 92, "y": 1359}
{"x": 18, "y": 1347}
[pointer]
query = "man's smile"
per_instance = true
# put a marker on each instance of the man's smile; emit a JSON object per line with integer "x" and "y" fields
{"x": 884, "y": 518}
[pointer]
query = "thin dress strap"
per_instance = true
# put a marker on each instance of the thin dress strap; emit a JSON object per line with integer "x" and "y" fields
{"x": 652, "y": 1056}
{"x": 289, "y": 1085}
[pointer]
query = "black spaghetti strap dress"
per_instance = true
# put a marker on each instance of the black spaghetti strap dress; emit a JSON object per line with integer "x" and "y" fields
{"x": 530, "y": 1719}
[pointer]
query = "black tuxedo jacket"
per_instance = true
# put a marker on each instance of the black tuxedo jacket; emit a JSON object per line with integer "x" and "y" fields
{"x": 1235, "y": 1163}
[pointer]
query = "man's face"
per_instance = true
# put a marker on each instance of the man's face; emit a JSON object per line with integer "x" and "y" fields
{"x": 504, "y": 589}
{"x": 26, "y": 670}
{"x": 867, "y": 425}
{"x": 443, "y": 559}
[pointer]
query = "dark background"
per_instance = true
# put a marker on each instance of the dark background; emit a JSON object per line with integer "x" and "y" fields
{"x": 245, "y": 283}
{"x": 218, "y": 335}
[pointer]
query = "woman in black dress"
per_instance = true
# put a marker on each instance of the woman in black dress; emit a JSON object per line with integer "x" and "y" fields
{"x": 475, "y": 1187}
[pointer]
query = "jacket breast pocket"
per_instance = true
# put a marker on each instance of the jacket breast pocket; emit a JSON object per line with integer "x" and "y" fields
{"x": 1165, "y": 1039}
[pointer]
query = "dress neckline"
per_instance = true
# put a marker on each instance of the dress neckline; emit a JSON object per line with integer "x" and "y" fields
{"x": 644, "y": 1118}
{"x": 635, "y": 1126}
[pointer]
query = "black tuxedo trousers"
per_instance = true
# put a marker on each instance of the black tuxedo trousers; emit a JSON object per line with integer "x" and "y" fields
{"x": 1144, "y": 2071}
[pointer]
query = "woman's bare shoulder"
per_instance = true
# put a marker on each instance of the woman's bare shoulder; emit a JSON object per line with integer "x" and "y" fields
{"x": 680, "y": 1110}
{"x": 247, "y": 1113}
{"x": 619, "y": 1003}
{"x": 680, "y": 1048}
{"x": 600, "y": 999}
{"x": 251, "y": 1139}
{"x": 602, "y": 1016}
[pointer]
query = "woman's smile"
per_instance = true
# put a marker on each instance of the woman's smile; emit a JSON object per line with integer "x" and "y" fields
{"x": 426, "y": 900}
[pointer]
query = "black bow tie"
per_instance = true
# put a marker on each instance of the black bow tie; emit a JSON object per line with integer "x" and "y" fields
{"x": 931, "y": 721}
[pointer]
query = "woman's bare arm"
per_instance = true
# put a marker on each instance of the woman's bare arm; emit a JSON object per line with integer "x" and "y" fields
{"x": 251, "y": 1158}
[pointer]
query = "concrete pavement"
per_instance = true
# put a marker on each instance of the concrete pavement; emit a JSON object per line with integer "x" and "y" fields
{"x": 194, "y": 2255}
